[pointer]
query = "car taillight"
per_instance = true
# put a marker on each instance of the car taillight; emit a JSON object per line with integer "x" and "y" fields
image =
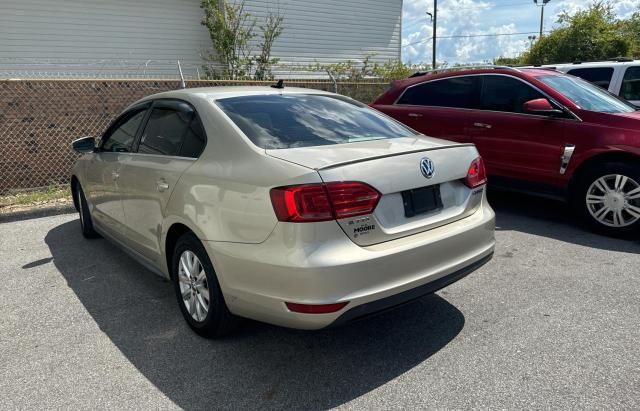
{"x": 323, "y": 201}
{"x": 477, "y": 175}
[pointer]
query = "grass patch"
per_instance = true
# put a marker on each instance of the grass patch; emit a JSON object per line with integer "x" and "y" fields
{"x": 47, "y": 195}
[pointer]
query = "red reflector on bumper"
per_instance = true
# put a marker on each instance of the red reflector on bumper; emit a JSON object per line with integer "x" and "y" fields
{"x": 316, "y": 308}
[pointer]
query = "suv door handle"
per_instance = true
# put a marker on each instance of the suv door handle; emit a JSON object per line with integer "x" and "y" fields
{"x": 162, "y": 185}
{"x": 482, "y": 125}
{"x": 415, "y": 115}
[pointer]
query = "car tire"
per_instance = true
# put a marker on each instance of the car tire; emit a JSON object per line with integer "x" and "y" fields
{"x": 607, "y": 197}
{"x": 198, "y": 291}
{"x": 86, "y": 223}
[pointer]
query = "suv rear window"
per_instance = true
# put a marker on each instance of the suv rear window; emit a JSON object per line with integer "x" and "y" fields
{"x": 303, "y": 120}
{"x": 456, "y": 92}
{"x": 600, "y": 76}
{"x": 631, "y": 84}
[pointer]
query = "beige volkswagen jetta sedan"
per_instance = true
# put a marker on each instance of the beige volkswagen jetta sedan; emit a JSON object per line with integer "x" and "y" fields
{"x": 295, "y": 207}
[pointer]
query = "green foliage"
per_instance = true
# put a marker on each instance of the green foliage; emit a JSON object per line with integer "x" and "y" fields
{"x": 232, "y": 31}
{"x": 507, "y": 61}
{"x": 631, "y": 31}
{"x": 591, "y": 34}
{"x": 271, "y": 30}
{"x": 356, "y": 71}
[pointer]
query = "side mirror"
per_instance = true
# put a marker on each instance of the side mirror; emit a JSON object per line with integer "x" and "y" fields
{"x": 540, "y": 106}
{"x": 84, "y": 145}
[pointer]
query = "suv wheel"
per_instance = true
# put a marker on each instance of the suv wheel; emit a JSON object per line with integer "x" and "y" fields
{"x": 198, "y": 291}
{"x": 86, "y": 223}
{"x": 608, "y": 198}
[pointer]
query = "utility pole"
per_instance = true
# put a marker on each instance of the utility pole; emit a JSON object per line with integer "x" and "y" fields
{"x": 435, "y": 22}
{"x": 543, "y": 3}
{"x": 434, "y": 17}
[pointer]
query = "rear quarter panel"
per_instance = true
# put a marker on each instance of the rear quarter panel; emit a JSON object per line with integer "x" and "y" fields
{"x": 224, "y": 195}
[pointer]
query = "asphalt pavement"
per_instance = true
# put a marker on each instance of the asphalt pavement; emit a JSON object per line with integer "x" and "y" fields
{"x": 553, "y": 321}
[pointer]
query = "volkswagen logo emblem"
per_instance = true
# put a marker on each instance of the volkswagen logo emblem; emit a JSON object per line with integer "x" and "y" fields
{"x": 426, "y": 167}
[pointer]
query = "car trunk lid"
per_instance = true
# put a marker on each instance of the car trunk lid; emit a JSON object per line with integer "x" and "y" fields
{"x": 410, "y": 202}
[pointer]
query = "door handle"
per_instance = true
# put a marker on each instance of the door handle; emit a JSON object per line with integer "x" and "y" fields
{"x": 115, "y": 175}
{"x": 162, "y": 185}
{"x": 482, "y": 125}
{"x": 415, "y": 115}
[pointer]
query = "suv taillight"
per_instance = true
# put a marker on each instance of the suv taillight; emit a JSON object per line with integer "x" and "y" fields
{"x": 477, "y": 175}
{"x": 323, "y": 201}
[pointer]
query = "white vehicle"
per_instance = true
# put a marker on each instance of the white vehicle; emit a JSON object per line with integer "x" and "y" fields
{"x": 295, "y": 207}
{"x": 620, "y": 76}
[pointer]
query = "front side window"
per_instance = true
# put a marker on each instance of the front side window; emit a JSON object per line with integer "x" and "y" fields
{"x": 124, "y": 132}
{"x": 600, "y": 76}
{"x": 164, "y": 131}
{"x": 631, "y": 84}
{"x": 278, "y": 121}
{"x": 502, "y": 93}
{"x": 586, "y": 95}
{"x": 456, "y": 92}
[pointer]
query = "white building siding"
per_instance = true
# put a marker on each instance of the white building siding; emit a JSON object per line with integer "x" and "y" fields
{"x": 100, "y": 36}
{"x": 147, "y": 37}
{"x": 330, "y": 31}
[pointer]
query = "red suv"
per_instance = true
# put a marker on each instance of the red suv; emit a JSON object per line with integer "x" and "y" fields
{"x": 538, "y": 130}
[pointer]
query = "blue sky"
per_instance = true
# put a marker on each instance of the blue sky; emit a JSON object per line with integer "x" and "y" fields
{"x": 484, "y": 17}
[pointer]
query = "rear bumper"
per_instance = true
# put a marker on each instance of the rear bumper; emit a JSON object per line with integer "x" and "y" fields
{"x": 323, "y": 267}
{"x": 396, "y": 300}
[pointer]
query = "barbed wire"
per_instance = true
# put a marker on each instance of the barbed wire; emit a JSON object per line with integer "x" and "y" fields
{"x": 32, "y": 68}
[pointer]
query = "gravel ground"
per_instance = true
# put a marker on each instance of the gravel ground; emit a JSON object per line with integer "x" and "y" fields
{"x": 553, "y": 321}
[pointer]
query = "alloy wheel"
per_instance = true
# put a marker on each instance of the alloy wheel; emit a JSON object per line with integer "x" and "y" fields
{"x": 193, "y": 286}
{"x": 614, "y": 200}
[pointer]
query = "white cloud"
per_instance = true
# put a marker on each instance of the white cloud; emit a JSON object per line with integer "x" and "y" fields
{"x": 465, "y": 17}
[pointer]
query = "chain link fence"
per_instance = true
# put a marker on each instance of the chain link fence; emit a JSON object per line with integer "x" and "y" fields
{"x": 39, "y": 118}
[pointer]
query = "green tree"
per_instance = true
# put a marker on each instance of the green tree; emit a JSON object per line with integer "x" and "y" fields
{"x": 591, "y": 34}
{"x": 232, "y": 32}
{"x": 507, "y": 61}
{"x": 271, "y": 30}
{"x": 631, "y": 30}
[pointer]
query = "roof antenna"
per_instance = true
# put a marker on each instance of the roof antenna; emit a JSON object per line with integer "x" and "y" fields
{"x": 182, "y": 83}
{"x": 279, "y": 84}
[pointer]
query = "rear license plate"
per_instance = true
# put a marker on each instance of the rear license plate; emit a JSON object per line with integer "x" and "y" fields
{"x": 421, "y": 200}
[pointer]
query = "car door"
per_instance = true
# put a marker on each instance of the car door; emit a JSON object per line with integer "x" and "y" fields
{"x": 516, "y": 144}
{"x": 102, "y": 174}
{"x": 438, "y": 108}
{"x": 172, "y": 139}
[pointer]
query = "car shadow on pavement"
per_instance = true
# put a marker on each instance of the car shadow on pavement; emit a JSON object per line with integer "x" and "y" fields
{"x": 550, "y": 218}
{"x": 261, "y": 366}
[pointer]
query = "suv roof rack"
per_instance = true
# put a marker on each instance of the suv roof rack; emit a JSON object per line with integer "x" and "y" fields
{"x": 613, "y": 59}
{"x": 621, "y": 59}
{"x": 456, "y": 68}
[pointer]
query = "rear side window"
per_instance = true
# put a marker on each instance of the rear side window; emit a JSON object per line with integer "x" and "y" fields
{"x": 456, "y": 92}
{"x": 173, "y": 129}
{"x": 302, "y": 120}
{"x": 600, "y": 76}
{"x": 119, "y": 138}
{"x": 164, "y": 132}
{"x": 502, "y": 93}
{"x": 194, "y": 139}
{"x": 631, "y": 84}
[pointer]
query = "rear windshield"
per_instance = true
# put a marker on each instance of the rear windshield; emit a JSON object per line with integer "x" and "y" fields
{"x": 304, "y": 120}
{"x": 586, "y": 95}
